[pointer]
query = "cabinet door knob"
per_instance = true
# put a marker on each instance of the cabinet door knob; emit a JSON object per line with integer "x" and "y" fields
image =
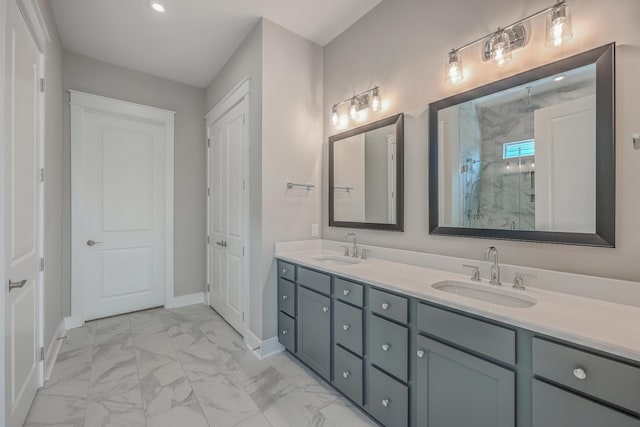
{"x": 346, "y": 292}
{"x": 420, "y": 353}
{"x": 284, "y": 297}
{"x": 285, "y": 271}
{"x": 386, "y": 402}
{"x": 285, "y": 331}
{"x": 385, "y": 347}
{"x": 580, "y": 374}
{"x": 325, "y": 309}
{"x": 346, "y": 326}
{"x": 385, "y": 305}
{"x": 346, "y": 374}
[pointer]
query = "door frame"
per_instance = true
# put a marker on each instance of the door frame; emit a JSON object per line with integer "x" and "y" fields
{"x": 240, "y": 93}
{"x": 80, "y": 104}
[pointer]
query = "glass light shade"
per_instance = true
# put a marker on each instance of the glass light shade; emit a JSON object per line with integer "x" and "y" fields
{"x": 375, "y": 100}
{"x": 454, "y": 73}
{"x": 334, "y": 116}
{"x": 559, "y": 28}
{"x": 500, "y": 46}
{"x": 353, "y": 109}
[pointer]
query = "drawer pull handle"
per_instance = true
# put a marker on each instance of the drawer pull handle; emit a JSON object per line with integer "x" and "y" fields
{"x": 346, "y": 292}
{"x": 346, "y": 326}
{"x": 386, "y": 402}
{"x": 285, "y": 271}
{"x": 325, "y": 309}
{"x": 385, "y": 347}
{"x": 580, "y": 374}
{"x": 346, "y": 374}
{"x": 420, "y": 353}
{"x": 385, "y": 305}
{"x": 284, "y": 297}
{"x": 285, "y": 331}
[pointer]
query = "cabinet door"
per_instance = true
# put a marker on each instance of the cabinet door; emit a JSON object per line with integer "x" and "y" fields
{"x": 314, "y": 331}
{"x": 456, "y": 389}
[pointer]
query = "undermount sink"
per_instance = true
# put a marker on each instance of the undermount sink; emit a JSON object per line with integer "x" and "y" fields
{"x": 337, "y": 260}
{"x": 486, "y": 294}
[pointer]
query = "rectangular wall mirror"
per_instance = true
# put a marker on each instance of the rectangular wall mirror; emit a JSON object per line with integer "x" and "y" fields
{"x": 366, "y": 176}
{"x": 531, "y": 157}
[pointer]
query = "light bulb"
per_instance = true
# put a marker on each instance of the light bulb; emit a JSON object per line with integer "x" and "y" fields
{"x": 500, "y": 46}
{"x": 353, "y": 109}
{"x": 454, "y": 67}
{"x": 343, "y": 121}
{"x": 334, "y": 115}
{"x": 158, "y": 6}
{"x": 375, "y": 100}
{"x": 559, "y": 28}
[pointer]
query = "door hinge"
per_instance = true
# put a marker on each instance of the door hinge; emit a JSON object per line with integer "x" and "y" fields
{"x": 41, "y": 264}
{"x": 41, "y": 354}
{"x": 42, "y": 85}
{"x": 244, "y": 118}
{"x": 208, "y": 142}
{"x": 208, "y": 191}
{"x": 243, "y": 251}
{"x": 208, "y": 287}
{"x": 243, "y": 316}
{"x": 208, "y": 240}
{"x": 243, "y": 185}
{"x": 41, "y": 174}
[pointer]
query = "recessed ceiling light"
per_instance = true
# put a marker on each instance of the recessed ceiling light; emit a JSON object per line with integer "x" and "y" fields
{"x": 157, "y": 5}
{"x": 557, "y": 79}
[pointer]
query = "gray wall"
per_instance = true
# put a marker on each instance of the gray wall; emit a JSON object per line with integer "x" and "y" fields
{"x": 53, "y": 159}
{"x": 402, "y": 45}
{"x": 96, "y": 77}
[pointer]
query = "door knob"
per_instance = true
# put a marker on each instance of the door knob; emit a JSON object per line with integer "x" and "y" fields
{"x": 92, "y": 243}
{"x": 222, "y": 243}
{"x": 16, "y": 285}
{"x": 385, "y": 305}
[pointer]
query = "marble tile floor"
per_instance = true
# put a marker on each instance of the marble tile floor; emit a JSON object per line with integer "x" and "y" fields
{"x": 180, "y": 368}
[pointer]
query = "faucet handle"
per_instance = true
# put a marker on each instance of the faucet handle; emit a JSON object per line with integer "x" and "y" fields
{"x": 346, "y": 250}
{"x": 364, "y": 253}
{"x": 518, "y": 280}
{"x": 475, "y": 273}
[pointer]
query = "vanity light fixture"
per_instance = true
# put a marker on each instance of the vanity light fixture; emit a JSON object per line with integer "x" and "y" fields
{"x": 158, "y": 6}
{"x": 358, "y": 108}
{"x": 499, "y": 46}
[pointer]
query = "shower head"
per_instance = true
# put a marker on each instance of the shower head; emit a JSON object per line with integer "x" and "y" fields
{"x": 529, "y": 107}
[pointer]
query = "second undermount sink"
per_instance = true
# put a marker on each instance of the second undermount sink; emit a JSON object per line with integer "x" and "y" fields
{"x": 486, "y": 294}
{"x": 337, "y": 260}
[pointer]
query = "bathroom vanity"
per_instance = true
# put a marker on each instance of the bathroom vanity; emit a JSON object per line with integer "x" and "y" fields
{"x": 414, "y": 346}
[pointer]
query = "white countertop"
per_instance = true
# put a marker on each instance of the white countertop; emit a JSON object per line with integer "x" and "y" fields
{"x": 607, "y": 326}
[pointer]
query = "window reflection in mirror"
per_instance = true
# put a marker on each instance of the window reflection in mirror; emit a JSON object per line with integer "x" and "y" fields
{"x": 523, "y": 158}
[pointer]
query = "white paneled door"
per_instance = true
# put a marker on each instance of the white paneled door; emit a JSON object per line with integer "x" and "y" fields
{"x": 120, "y": 225}
{"x": 227, "y": 214}
{"x": 22, "y": 245}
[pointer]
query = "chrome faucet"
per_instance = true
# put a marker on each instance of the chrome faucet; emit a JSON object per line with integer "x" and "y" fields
{"x": 354, "y": 253}
{"x": 491, "y": 254}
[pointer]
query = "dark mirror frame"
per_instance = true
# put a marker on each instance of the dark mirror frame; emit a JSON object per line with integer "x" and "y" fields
{"x": 398, "y": 120}
{"x": 604, "y": 59}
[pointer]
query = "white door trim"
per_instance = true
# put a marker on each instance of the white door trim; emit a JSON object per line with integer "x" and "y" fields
{"x": 82, "y": 103}
{"x": 241, "y": 92}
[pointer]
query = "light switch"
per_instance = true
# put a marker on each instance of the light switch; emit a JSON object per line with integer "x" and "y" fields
{"x": 314, "y": 230}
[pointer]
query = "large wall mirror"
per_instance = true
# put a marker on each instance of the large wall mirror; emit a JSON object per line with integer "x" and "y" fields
{"x": 531, "y": 157}
{"x": 366, "y": 176}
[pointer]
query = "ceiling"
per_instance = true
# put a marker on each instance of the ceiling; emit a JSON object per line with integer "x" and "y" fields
{"x": 194, "y": 38}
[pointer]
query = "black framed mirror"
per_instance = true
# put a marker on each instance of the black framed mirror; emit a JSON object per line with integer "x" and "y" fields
{"x": 530, "y": 157}
{"x": 366, "y": 176}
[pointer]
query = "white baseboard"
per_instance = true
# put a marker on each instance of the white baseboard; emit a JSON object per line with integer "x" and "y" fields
{"x": 268, "y": 348}
{"x": 72, "y": 323}
{"x": 184, "y": 300}
{"x": 52, "y": 350}
{"x": 252, "y": 341}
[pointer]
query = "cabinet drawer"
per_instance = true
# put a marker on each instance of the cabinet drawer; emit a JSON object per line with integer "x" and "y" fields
{"x": 388, "y": 305}
{"x": 493, "y": 341}
{"x": 388, "y": 346}
{"x": 555, "y": 407}
{"x": 348, "y": 327}
{"x": 609, "y": 380}
{"x": 287, "y": 271}
{"x": 348, "y": 291}
{"x": 388, "y": 399}
{"x": 347, "y": 374}
{"x": 287, "y": 297}
{"x": 314, "y": 280}
{"x": 287, "y": 332}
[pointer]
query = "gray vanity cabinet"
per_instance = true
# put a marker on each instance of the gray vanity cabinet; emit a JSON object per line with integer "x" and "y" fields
{"x": 456, "y": 389}
{"x": 314, "y": 331}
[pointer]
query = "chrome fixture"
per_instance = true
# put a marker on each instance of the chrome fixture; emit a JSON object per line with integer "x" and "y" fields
{"x": 308, "y": 186}
{"x": 364, "y": 253}
{"x": 358, "y": 106}
{"x": 491, "y": 254}
{"x": 346, "y": 250}
{"x": 347, "y": 188}
{"x": 475, "y": 272}
{"x": 16, "y": 285}
{"x": 354, "y": 253}
{"x": 92, "y": 243}
{"x": 500, "y": 45}
{"x": 518, "y": 281}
